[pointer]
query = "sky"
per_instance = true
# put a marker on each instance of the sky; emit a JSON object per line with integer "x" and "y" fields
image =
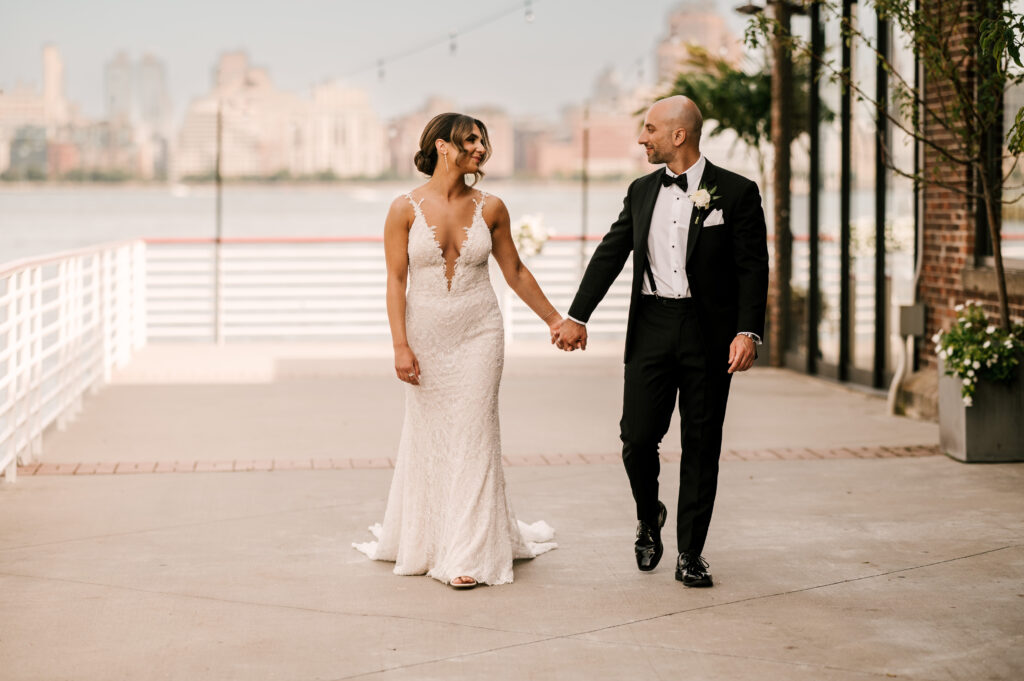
{"x": 533, "y": 68}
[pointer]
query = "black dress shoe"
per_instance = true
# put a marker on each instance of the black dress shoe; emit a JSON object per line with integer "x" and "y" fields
{"x": 692, "y": 570}
{"x": 648, "y": 546}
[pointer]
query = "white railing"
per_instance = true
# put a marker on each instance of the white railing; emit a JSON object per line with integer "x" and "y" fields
{"x": 66, "y": 321}
{"x": 324, "y": 289}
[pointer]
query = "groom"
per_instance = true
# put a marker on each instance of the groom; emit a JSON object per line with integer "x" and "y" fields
{"x": 700, "y": 283}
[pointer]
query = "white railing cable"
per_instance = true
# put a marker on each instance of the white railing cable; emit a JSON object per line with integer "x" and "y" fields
{"x": 325, "y": 289}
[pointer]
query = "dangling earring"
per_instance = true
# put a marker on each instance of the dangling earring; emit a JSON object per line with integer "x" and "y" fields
{"x": 446, "y": 161}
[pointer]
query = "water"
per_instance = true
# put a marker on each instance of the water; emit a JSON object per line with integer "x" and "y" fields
{"x": 40, "y": 220}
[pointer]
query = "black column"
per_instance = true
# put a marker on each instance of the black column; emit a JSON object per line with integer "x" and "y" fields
{"x": 881, "y": 186}
{"x": 814, "y": 203}
{"x": 845, "y": 117}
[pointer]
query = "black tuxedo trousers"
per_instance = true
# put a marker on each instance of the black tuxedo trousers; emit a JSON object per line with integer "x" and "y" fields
{"x": 669, "y": 359}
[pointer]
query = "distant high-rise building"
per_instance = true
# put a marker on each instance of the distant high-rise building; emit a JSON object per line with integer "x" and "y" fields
{"x": 153, "y": 102}
{"x": 118, "y": 88}
{"x": 54, "y": 103}
{"x": 268, "y": 132}
{"x": 691, "y": 22}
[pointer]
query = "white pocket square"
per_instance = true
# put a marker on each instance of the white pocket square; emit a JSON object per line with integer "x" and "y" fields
{"x": 714, "y": 218}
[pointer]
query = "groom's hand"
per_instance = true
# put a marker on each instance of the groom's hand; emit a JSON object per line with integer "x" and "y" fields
{"x": 571, "y": 336}
{"x": 741, "y": 353}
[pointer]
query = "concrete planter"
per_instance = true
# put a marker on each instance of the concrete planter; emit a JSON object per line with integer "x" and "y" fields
{"x": 992, "y": 430}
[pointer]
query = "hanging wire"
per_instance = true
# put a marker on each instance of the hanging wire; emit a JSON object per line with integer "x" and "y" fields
{"x": 449, "y": 38}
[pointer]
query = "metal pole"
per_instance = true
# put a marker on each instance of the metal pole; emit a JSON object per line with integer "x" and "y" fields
{"x": 584, "y": 178}
{"x": 881, "y": 198}
{"x": 217, "y": 333}
{"x": 814, "y": 205}
{"x": 782, "y": 135}
{"x": 845, "y": 182}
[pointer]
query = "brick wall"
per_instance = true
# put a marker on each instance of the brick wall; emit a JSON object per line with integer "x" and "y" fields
{"x": 949, "y": 225}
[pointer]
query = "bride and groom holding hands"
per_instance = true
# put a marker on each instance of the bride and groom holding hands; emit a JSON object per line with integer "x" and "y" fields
{"x": 698, "y": 241}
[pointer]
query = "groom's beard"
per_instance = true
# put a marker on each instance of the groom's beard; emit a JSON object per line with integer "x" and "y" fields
{"x": 654, "y": 157}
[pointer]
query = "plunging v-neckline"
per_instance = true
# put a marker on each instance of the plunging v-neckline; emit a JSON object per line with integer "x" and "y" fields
{"x": 440, "y": 249}
{"x": 477, "y": 212}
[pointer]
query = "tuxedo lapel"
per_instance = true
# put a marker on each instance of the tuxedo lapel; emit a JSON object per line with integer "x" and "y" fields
{"x": 649, "y": 198}
{"x": 708, "y": 182}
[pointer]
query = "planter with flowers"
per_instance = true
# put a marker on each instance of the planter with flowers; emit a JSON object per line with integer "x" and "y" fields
{"x": 981, "y": 389}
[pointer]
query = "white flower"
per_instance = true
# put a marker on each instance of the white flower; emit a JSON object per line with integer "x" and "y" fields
{"x": 701, "y": 198}
{"x": 968, "y": 401}
{"x": 990, "y": 329}
{"x": 987, "y": 344}
{"x": 942, "y": 354}
{"x": 977, "y": 364}
{"x": 967, "y": 381}
{"x": 529, "y": 235}
{"x": 1008, "y": 343}
{"x": 967, "y": 325}
{"x": 970, "y": 373}
{"x": 958, "y": 308}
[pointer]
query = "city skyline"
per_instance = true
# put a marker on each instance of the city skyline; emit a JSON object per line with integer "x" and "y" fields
{"x": 509, "y": 77}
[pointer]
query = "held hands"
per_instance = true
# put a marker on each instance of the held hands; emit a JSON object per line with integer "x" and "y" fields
{"x": 570, "y": 336}
{"x": 741, "y": 353}
{"x": 407, "y": 367}
{"x": 554, "y": 321}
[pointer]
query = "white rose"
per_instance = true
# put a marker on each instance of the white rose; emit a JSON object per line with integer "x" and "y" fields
{"x": 936, "y": 338}
{"x": 977, "y": 364}
{"x": 967, "y": 325}
{"x": 701, "y": 198}
{"x": 942, "y": 354}
{"x": 970, "y": 373}
{"x": 987, "y": 344}
{"x": 967, "y": 381}
{"x": 958, "y": 308}
{"x": 968, "y": 401}
{"x": 990, "y": 329}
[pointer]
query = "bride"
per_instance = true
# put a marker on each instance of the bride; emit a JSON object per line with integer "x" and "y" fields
{"x": 448, "y": 512}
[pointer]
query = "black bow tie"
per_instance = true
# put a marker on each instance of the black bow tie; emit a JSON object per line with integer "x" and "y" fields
{"x": 680, "y": 180}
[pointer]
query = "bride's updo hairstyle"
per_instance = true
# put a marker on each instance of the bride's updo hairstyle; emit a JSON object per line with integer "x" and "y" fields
{"x": 453, "y": 128}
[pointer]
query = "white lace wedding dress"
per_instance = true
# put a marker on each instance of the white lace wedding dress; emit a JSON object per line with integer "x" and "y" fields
{"x": 448, "y": 512}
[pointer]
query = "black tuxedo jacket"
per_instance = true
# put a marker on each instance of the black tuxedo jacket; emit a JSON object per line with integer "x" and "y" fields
{"x": 726, "y": 265}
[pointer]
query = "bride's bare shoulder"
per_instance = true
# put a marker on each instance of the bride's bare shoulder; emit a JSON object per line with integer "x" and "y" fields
{"x": 494, "y": 208}
{"x": 402, "y": 207}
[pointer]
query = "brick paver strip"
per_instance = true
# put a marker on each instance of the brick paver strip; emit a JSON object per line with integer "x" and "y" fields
{"x": 776, "y": 454}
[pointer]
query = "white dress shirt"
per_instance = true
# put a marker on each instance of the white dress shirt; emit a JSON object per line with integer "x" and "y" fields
{"x": 666, "y": 241}
{"x": 670, "y": 227}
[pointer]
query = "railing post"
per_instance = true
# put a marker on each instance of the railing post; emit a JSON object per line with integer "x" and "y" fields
{"x": 139, "y": 295}
{"x": 35, "y": 430}
{"x": 9, "y": 451}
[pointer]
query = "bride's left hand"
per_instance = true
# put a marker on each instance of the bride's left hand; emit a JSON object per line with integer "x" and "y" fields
{"x": 554, "y": 327}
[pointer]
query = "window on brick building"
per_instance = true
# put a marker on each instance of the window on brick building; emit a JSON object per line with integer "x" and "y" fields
{"x": 1012, "y": 214}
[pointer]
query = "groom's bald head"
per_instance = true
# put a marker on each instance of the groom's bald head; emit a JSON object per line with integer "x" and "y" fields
{"x": 681, "y": 112}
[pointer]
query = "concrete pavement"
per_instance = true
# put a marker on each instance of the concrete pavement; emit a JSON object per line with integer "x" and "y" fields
{"x": 841, "y": 568}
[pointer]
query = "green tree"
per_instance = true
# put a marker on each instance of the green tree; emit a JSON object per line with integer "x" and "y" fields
{"x": 740, "y": 100}
{"x": 970, "y": 86}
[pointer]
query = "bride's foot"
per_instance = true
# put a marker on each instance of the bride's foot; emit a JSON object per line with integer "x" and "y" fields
{"x": 463, "y": 583}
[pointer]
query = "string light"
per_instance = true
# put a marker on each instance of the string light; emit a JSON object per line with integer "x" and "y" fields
{"x": 451, "y": 38}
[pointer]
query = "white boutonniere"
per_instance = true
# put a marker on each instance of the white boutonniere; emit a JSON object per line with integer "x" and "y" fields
{"x": 702, "y": 199}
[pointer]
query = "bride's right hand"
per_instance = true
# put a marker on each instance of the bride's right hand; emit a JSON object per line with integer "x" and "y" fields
{"x": 407, "y": 367}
